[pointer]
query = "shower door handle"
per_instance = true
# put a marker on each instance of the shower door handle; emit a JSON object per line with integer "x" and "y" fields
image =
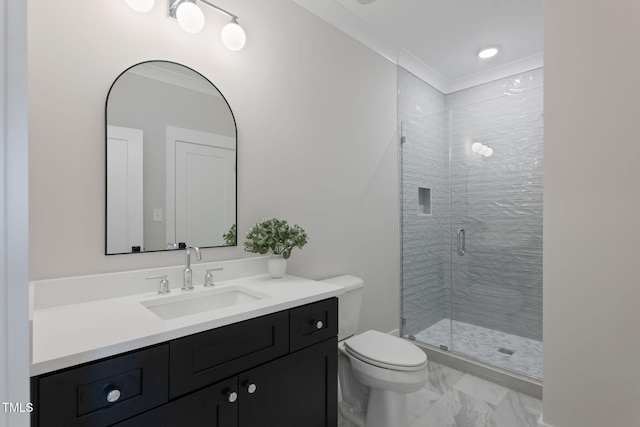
{"x": 461, "y": 242}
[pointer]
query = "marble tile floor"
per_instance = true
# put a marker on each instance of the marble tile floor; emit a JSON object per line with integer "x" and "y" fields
{"x": 452, "y": 398}
{"x": 482, "y": 344}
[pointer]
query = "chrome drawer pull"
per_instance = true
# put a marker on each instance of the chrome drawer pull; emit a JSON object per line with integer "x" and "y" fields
{"x": 232, "y": 396}
{"x": 319, "y": 324}
{"x": 251, "y": 388}
{"x": 113, "y": 395}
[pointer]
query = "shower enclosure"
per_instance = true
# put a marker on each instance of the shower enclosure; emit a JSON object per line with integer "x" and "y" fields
{"x": 471, "y": 177}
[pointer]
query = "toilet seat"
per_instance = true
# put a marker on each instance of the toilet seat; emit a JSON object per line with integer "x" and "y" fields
{"x": 386, "y": 351}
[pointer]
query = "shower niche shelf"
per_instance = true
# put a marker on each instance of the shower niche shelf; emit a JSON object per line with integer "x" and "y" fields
{"x": 424, "y": 201}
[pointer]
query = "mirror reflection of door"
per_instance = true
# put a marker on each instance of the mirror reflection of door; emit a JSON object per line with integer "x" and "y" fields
{"x": 124, "y": 189}
{"x": 156, "y": 97}
{"x": 200, "y": 186}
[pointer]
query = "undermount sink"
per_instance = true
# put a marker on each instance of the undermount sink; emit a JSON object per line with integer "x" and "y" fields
{"x": 186, "y": 304}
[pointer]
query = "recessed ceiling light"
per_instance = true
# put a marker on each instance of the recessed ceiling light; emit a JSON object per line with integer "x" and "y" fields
{"x": 488, "y": 52}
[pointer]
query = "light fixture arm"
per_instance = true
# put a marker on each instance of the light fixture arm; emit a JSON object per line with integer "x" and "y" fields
{"x": 173, "y": 5}
{"x": 233, "y": 17}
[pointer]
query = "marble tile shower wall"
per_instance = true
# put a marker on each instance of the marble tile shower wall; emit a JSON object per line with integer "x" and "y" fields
{"x": 497, "y": 200}
{"x": 425, "y": 164}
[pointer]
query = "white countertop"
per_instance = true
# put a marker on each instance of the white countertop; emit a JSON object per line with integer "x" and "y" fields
{"x": 67, "y": 335}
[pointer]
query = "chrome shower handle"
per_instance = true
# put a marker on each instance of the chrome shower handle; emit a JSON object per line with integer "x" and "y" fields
{"x": 461, "y": 242}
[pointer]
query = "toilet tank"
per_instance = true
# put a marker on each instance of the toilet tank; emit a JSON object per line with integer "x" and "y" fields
{"x": 348, "y": 304}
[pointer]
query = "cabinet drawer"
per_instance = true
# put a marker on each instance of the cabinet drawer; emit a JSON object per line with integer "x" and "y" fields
{"x": 205, "y": 358}
{"x": 312, "y": 323}
{"x": 209, "y": 407}
{"x": 81, "y": 396}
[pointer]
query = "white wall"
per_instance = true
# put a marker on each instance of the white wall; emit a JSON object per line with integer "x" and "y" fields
{"x": 14, "y": 325}
{"x": 317, "y": 143}
{"x": 591, "y": 212}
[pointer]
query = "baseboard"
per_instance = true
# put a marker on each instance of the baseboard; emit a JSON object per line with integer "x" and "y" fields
{"x": 541, "y": 423}
{"x": 395, "y": 332}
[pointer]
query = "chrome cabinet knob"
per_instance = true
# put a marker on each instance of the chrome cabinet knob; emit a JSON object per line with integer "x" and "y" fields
{"x": 113, "y": 395}
{"x": 232, "y": 396}
{"x": 319, "y": 324}
{"x": 251, "y": 388}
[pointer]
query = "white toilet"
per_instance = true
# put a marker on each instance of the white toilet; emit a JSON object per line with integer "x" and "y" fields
{"x": 376, "y": 370}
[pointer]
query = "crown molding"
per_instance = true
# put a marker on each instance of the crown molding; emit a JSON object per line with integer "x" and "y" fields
{"x": 344, "y": 20}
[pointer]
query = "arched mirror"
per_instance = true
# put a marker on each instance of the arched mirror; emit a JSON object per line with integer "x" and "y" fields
{"x": 171, "y": 143}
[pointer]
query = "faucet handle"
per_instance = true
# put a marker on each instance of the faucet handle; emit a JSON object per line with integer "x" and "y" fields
{"x": 164, "y": 283}
{"x": 208, "y": 279}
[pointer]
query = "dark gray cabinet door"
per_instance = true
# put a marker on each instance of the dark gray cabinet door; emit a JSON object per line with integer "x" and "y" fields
{"x": 296, "y": 390}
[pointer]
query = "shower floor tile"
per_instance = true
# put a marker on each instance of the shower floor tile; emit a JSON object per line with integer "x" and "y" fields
{"x": 488, "y": 346}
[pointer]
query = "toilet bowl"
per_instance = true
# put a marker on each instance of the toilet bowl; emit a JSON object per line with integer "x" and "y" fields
{"x": 386, "y": 369}
{"x": 375, "y": 370}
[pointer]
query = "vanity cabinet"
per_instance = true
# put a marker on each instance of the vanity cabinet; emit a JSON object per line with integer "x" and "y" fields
{"x": 276, "y": 370}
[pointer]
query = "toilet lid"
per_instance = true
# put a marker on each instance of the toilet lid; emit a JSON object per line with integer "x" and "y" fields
{"x": 386, "y": 351}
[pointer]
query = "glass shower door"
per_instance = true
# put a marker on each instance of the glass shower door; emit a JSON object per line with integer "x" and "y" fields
{"x": 496, "y": 224}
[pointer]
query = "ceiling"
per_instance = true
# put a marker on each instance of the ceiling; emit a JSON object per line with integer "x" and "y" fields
{"x": 438, "y": 40}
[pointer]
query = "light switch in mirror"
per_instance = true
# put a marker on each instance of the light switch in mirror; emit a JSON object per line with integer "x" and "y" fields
{"x": 171, "y": 144}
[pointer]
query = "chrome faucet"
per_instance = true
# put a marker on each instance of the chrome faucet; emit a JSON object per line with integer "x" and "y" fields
{"x": 187, "y": 284}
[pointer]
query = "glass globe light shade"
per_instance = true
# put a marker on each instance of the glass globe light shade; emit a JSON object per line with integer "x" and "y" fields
{"x": 476, "y": 147}
{"x": 233, "y": 36}
{"x": 141, "y": 6}
{"x": 489, "y": 152}
{"x": 484, "y": 150}
{"x": 190, "y": 17}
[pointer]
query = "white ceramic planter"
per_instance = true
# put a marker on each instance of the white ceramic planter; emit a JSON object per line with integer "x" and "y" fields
{"x": 277, "y": 266}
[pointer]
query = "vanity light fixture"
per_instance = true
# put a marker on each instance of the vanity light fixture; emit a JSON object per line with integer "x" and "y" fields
{"x": 489, "y": 52}
{"x": 191, "y": 19}
{"x": 141, "y": 6}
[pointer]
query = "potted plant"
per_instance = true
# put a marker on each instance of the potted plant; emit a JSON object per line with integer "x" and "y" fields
{"x": 230, "y": 237}
{"x": 275, "y": 236}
